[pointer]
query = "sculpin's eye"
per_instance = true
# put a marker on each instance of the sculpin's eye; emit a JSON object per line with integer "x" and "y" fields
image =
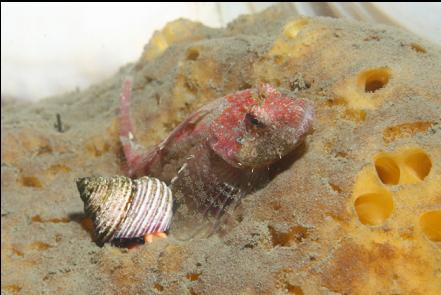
{"x": 253, "y": 121}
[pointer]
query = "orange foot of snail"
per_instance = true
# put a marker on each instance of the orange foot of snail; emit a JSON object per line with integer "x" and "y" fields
{"x": 148, "y": 238}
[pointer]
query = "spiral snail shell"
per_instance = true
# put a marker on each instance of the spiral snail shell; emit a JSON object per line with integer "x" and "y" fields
{"x": 124, "y": 208}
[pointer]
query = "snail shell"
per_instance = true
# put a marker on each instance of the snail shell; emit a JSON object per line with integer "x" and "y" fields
{"x": 123, "y": 208}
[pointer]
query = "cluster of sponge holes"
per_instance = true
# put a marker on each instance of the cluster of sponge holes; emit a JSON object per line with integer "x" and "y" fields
{"x": 407, "y": 166}
{"x": 373, "y": 200}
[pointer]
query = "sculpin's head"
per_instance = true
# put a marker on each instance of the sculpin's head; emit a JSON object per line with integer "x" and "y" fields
{"x": 259, "y": 126}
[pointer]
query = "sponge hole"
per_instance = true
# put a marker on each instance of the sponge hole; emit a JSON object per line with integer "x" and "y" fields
{"x": 295, "y": 234}
{"x": 374, "y": 208}
{"x": 418, "y": 48}
{"x": 373, "y": 80}
{"x": 293, "y": 28}
{"x": 409, "y": 129}
{"x": 192, "y": 54}
{"x": 31, "y": 181}
{"x": 419, "y": 162}
{"x": 387, "y": 170}
{"x": 193, "y": 276}
{"x": 431, "y": 225}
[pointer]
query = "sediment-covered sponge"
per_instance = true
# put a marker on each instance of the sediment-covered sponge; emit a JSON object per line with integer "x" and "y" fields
{"x": 356, "y": 212}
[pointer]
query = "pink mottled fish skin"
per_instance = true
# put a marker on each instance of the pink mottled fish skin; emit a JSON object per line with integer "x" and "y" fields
{"x": 219, "y": 153}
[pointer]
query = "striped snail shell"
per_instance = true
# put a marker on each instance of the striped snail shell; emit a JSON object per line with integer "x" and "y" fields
{"x": 124, "y": 208}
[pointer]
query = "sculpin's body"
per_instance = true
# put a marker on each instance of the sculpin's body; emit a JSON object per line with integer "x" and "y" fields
{"x": 220, "y": 151}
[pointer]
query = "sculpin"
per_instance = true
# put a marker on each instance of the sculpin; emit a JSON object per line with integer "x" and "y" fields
{"x": 219, "y": 153}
